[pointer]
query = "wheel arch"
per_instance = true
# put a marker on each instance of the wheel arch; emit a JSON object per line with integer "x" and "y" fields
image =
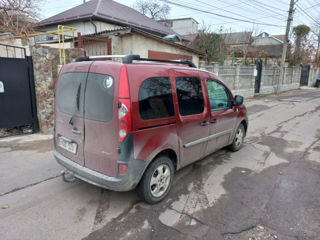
{"x": 245, "y": 124}
{"x": 170, "y": 153}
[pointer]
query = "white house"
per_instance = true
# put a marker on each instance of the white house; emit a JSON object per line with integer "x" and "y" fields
{"x": 182, "y": 26}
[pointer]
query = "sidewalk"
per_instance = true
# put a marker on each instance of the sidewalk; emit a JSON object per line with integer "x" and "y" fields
{"x": 26, "y": 160}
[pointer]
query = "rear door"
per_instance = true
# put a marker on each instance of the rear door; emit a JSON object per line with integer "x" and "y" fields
{"x": 223, "y": 115}
{"x": 69, "y": 122}
{"x": 192, "y": 114}
{"x": 101, "y": 118}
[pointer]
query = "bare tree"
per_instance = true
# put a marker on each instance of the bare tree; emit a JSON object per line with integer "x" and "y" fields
{"x": 211, "y": 45}
{"x": 316, "y": 33}
{"x": 18, "y": 16}
{"x": 153, "y": 9}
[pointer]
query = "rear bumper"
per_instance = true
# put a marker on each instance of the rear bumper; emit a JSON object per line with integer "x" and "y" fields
{"x": 120, "y": 183}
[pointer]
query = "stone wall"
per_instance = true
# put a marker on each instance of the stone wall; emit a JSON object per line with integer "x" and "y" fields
{"x": 46, "y": 69}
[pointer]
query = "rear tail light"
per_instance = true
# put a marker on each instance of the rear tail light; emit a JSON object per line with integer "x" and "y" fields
{"x": 124, "y": 111}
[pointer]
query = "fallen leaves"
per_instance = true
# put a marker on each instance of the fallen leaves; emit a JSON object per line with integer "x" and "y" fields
{"x": 5, "y": 206}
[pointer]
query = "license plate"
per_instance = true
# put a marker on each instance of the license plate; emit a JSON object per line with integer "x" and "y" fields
{"x": 67, "y": 144}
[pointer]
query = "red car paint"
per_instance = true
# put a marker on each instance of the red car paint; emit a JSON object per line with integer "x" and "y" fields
{"x": 99, "y": 147}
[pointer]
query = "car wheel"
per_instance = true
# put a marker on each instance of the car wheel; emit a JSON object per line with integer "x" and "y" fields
{"x": 238, "y": 139}
{"x": 156, "y": 181}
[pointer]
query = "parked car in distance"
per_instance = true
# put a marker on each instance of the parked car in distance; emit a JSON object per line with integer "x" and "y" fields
{"x": 121, "y": 125}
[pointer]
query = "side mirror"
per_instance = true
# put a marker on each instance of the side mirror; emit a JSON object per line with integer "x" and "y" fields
{"x": 237, "y": 101}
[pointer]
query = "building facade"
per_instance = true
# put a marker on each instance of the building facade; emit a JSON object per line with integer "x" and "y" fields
{"x": 182, "y": 26}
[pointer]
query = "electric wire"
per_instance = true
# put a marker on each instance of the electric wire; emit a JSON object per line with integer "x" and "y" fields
{"x": 218, "y": 15}
{"x": 268, "y": 6}
{"x": 260, "y": 8}
{"x": 309, "y": 12}
{"x": 306, "y": 14}
{"x": 232, "y": 5}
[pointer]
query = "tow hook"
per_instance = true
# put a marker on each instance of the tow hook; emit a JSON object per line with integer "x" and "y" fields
{"x": 67, "y": 176}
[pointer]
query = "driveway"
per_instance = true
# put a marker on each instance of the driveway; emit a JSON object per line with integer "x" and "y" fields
{"x": 270, "y": 189}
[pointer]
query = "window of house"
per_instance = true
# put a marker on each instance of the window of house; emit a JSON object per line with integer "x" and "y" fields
{"x": 155, "y": 98}
{"x": 190, "y": 97}
{"x": 219, "y": 96}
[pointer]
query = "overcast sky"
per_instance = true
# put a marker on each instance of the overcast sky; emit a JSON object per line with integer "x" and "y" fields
{"x": 263, "y": 13}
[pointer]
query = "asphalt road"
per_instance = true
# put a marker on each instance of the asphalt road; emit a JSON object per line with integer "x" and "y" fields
{"x": 268, "y": 190}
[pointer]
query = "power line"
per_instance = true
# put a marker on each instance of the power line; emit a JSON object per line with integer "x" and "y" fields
{"x": 268, "y": 6}
{"x": 298, "y": 6}
{"x": 285, "y": 43}
{"x": 218, "y": 8}
{"x": 277, "y": 14}
{"x": 224, "y": 7}
{"x": 223, "y": 23}
{"x": 218, "y": 15}
{"x": 309, "y": 3}
{"x": 309, "y": 12}
{"x": 259, "y": 8}
{"x": 284, "y": 3}
{"x": 240, "y": 21}
{"x": 246, "y": 9}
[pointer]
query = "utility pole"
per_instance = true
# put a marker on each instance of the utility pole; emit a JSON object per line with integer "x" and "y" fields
{"x": 317, "y": 53}
{"x": 285, "y": 44}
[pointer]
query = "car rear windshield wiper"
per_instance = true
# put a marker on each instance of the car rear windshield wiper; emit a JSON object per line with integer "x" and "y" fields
{"x": 77, "y": 103}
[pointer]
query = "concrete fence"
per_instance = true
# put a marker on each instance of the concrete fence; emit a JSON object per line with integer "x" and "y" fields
{"x": 313, "y": 75}
{"x": 241, "y": 79}
{"x": 270, "y": 78}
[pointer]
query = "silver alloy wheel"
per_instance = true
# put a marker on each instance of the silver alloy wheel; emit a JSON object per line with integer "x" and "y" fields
{"x": 239, "y": 137}
{"x": 160, "y": 180}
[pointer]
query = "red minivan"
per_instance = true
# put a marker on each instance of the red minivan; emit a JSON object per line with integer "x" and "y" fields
{"x": 121, "y": 125}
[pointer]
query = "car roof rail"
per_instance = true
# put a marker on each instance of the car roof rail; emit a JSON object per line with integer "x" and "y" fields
{"x": 130, "y": 58}
{"x": 133, "y": 57}
{"x": 90, "y": 58}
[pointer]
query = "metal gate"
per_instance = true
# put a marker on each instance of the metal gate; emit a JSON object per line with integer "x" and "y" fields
{"x": 95, "y": 46}
{"x": 305, "y": 69}
{"x": 258, "y": 77}
{"x": 17, "y": 90}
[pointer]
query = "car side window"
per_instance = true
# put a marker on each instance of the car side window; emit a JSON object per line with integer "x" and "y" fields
{"x": 155, "y": 98}
{"x": 219, "y": 96}
{"x": 190, "y": 97}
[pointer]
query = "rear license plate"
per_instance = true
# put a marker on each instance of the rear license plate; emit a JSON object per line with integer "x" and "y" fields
{"x": 67, "y": 144}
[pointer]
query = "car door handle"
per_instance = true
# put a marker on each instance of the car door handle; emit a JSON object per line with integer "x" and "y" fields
{"x": 76, "y": 131}
{"x": 205, "y": 123}
{"x": 213, "y": 120}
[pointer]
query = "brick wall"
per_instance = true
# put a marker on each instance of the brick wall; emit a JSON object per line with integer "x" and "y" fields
{"x": 168, "y": 56}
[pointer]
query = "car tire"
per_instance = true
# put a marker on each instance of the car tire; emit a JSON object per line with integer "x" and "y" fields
{"x": 238, "y": 139}
{"x": 156, "y": 181}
